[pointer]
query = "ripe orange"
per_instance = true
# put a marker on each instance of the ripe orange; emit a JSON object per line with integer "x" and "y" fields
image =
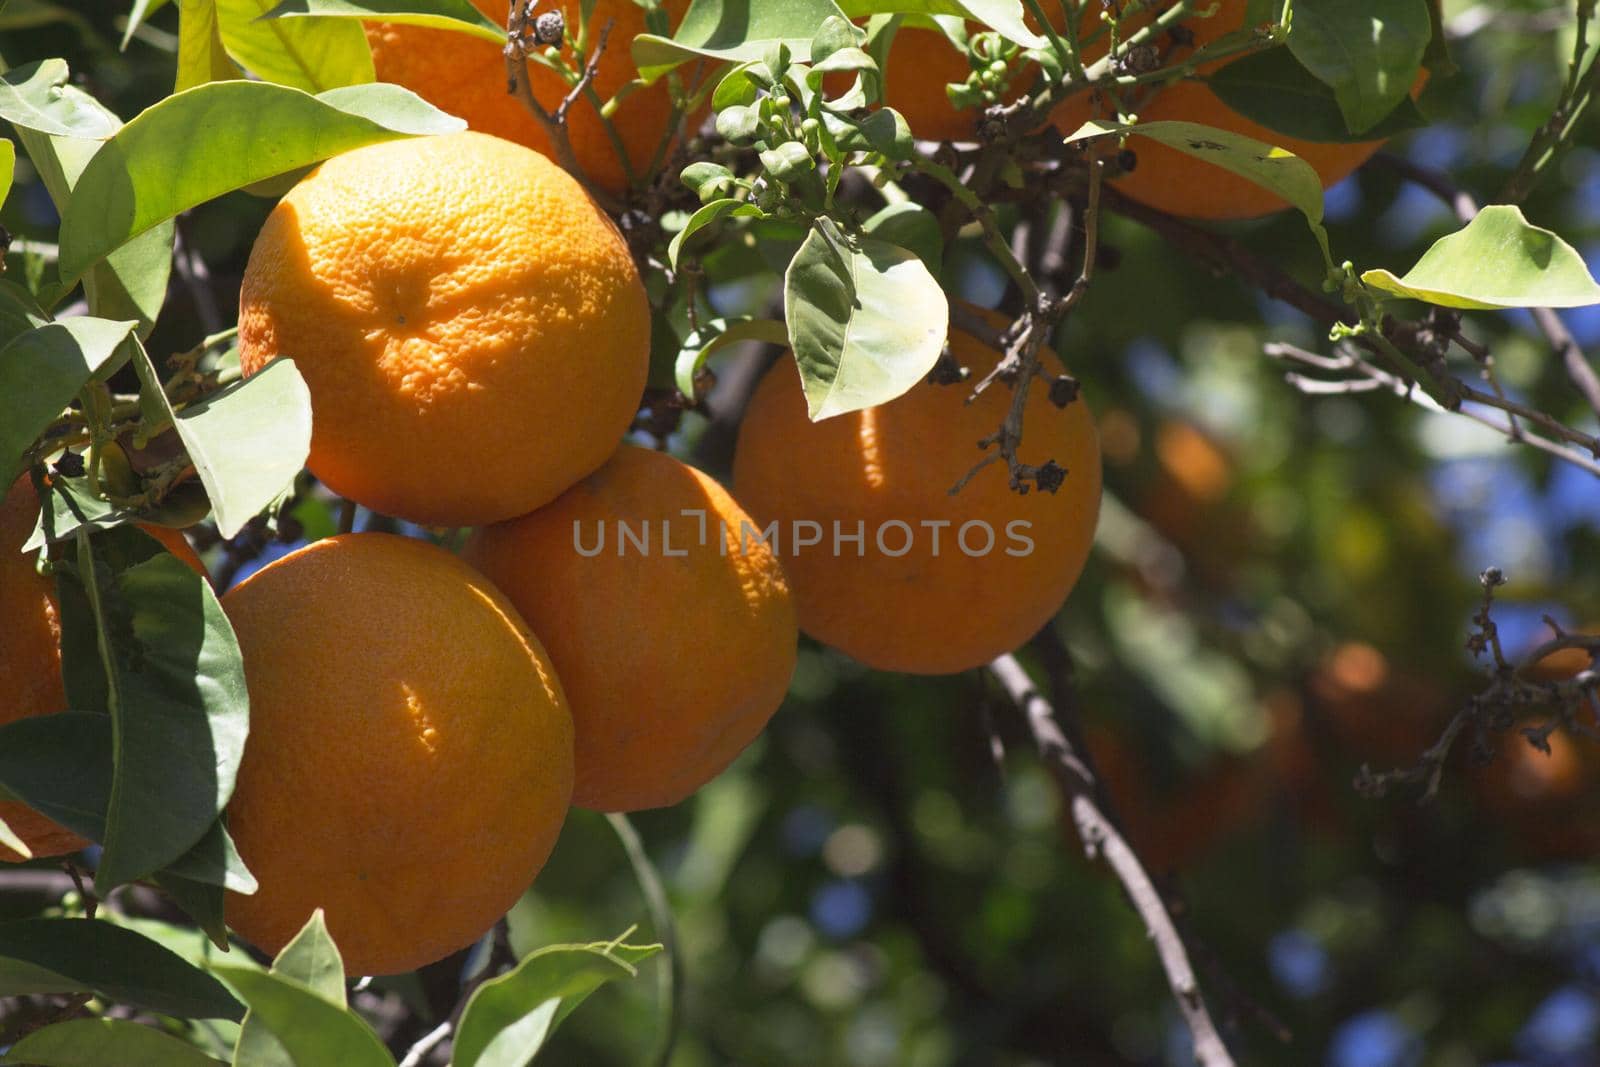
{"x": 1180, "y": 184}
{"x": 471, "y": 326}
{"x": 938, "y": 583}
{"x": 30, "y": 651}
{"x": 675, "y": 649}
{"x": 409, "y": 763}
{"x": 466, "y": 76}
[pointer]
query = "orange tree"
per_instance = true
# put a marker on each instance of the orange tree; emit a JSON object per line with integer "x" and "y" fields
{"x": 1084, "y": 520}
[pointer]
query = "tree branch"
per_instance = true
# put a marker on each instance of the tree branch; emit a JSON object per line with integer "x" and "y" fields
{"x": 520, "y": 85}
{"x": 1101, "y": 836}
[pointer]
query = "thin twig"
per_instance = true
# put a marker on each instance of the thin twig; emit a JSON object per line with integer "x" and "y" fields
{"x": 427, "y": 1043}
{"x": 1553, "y": 138}
{"x": 670, "y": 977}
{"x": 1509, "y": 695}
{"x": 1374, "y": 378}
{"x": 520, "y": 85}
{"x": 1101, "y": 837}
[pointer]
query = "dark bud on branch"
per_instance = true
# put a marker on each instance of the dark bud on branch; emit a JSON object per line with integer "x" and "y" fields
{"x": 947, "y": 371}
{"x": 549, "y": 28}
{"x": 1064, "y": 390}
{"x": 1141, "y": 59}
{"x": 1050, "y": 477}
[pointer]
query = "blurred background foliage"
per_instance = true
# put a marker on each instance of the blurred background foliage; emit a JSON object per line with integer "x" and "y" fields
{"x": 1281, "y": 593}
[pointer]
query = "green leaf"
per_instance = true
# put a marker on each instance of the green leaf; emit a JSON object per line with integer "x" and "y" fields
{"x": 19, "y": 312}
{"x": 60, "y": 765}
{"x": 1368, "y": 51}
{"x": 202, "y": 59}
{"x": 247, "y": 441}
{"x": 707, "y": 179}
{"x": 195, "y": 881}
{"x": 788, "y": 161}
{"x": 739, "y": 123}
{"x": 70, "y": 504}
{"x": 36, "y": 97}
{"x": 912, "y": 227}
{"x": 1499, "y": 260}
{"x": 313, "y": 1032}
{"x": 866, "y": 320}
{"x": 733, "y": 31}
{"x": 718, "y": 334}
{"x": 215, "y": 860}
{"x": 310, "y": 960}
{"x": 1268, "y": 166}
{"x": 132, "y": 282}
{"x": 93, "y": 956}
{"x": 218, "y": 137}
{"x": 142, "y": 9}
{"x": 1002, "y": 16}
{"x": 509, "y": 1018}
{"x": 739, "y": 87}
{"x": 105, "y": 1043}
{"x": 705, "y": 216}
{"x": 458, "y": 15}
{"x": 881, "y": 130}
{"x": 306, "y": 55}
{"x": 1272, "y": 88}
{"x": 41, "y": 371}
{"x": 173, "y": 681}
{"x": 201, "y": 901}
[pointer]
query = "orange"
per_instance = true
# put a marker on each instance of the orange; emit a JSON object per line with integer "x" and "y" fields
{"x": 1178, "y": 183}
{"x": 472, "y": 328}
{"x": 409, "y": 763}
{"x": 466, "y": 76}
{"x": 675, "y": 639}
{"x": 30, "y": 651}
{"x": 937, "y": 583}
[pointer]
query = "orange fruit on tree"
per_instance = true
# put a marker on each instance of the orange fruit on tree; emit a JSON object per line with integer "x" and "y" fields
{"x": 30, "y": 651}
{"x": 466, "y": 76}
{"x": 938, "y": 583}
{"x": 409, "y": 763}
{"x": 471, "y": 326}
{"x": 669, "y": 622}
{"x": 1180, "y": 184}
